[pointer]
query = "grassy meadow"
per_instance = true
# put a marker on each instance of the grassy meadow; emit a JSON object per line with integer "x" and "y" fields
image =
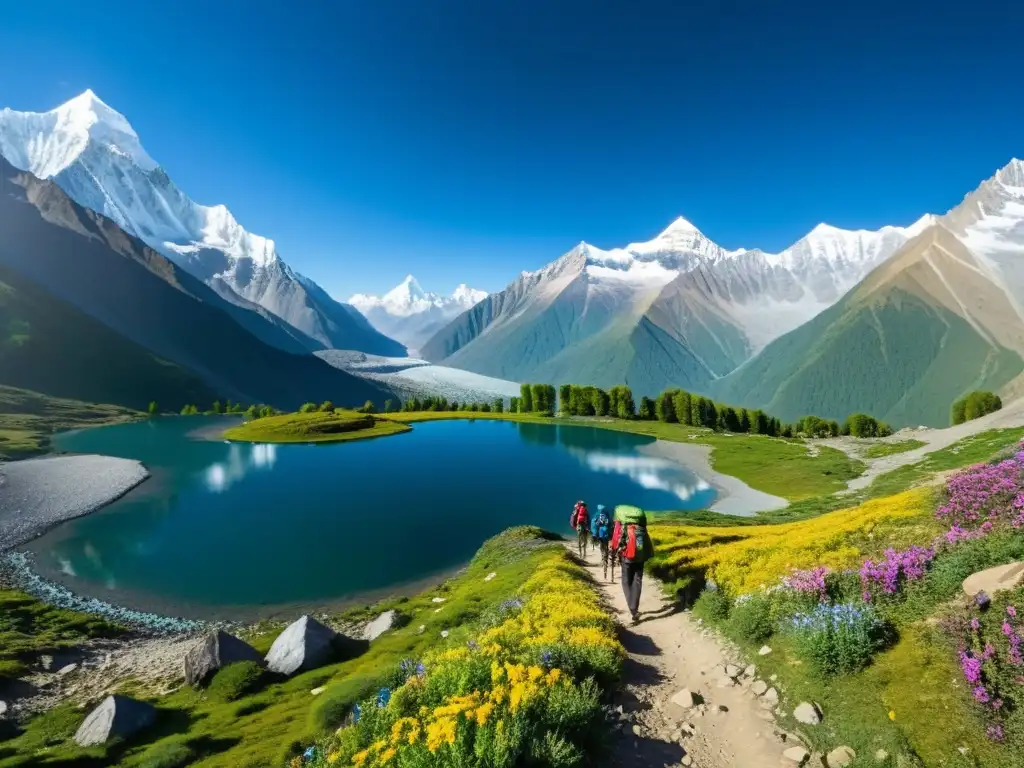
{"x": 314, "y": 427}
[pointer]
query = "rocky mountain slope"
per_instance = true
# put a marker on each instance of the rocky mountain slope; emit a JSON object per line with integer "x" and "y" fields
{"x": 411, "y": 315}
{"x": 91, "y": 151}
{"x": 84, "y": 260}
{"x": 677, "y": 310}
{"x": 943, "y": 316}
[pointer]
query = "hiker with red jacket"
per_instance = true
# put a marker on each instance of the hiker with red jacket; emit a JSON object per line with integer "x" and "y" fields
{"x": 580, "y": 521}
{"x": 633, "y": 544}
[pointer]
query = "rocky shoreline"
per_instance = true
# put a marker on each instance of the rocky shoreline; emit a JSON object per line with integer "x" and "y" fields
{"x": 38, "y": 494}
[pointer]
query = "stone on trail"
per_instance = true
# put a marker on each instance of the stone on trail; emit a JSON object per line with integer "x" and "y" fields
{"x": 67, "y": 669}
{"x": 380, "y": 625}
{"x": 840, "y": 757}
{"x": 116, "y": 717}
{"x": 750, "y": 670}
{"x": 807, "y": 713}
{"x": 770, "y": 697}
{"x": 993, "y": 580}
{"x": 795, "y": 756}
{"x": 759, "y": 687}
{"x": 215, "y": 650}
{"x": 305, "y": 644}
{"x": 687, "y": 760}
{"x": 731, "y": 670}
{"x": 765, "y": 650}
{"x": 686, "y": 699}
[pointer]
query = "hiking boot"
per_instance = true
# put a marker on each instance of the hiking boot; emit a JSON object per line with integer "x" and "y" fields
{"x": 636, "y": 620}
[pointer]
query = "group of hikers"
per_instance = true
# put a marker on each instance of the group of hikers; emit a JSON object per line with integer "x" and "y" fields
{"x": 622, "y": 539}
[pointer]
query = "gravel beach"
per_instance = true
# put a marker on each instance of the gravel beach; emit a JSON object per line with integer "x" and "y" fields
{"x": 734, "y": 496}
{"x": 37, "y": 494}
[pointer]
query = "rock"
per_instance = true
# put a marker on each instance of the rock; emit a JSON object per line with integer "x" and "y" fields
{"x": 688, "y": 728}
{"x": 638, "y": 731}
{"x": 3, "y": 708}
{"x": 725, "y": 682}
{"x": 318, "y": 691}
{"x": 721, "y": 708}
{"x": 731, "y": 670}
{"x": 765, "y": 650}
{"x": 685, "y": 699}
{"x": 773, "y": 678}
{"x": 795, "y": 756}
{"x": 445, "y": 633}
{"x": 67, "y": 670}
{"x": 490, "y": 576}
{"x": 215, "y": 650}
{"x": 676, "y": 736}
{"x": 116, "y": 717}
{"x": 807, "y": 713}
{"x": 46, "y": 662}
{"x": 840, "y": 757}
{"x": 993, "y": 580}
{"x": 770, "y": 697}
{"x": 438, "y": 599}
{"x": 759, "y": 687}
{"x": 380, "y": 625}
{"x": 881, "y": 756}
{"x": 305, "y": 644}
{"x": 750, "y": 670}
{"x": 687, "y": 760}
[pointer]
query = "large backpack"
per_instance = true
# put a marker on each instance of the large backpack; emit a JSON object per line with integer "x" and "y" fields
{"x": 579, "y": 516}
{"x": 631, "y": 533}
{"x": 601, "y": 526}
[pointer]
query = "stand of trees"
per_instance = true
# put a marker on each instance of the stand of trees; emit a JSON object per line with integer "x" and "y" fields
{"x": 415, "y": 404}
{"x": 975, "y": 405}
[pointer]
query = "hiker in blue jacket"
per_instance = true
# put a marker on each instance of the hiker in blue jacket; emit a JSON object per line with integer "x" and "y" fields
{"x": 601, "y": 532}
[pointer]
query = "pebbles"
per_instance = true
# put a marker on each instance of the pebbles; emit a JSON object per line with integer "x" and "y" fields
{"x": 40, "y": 493}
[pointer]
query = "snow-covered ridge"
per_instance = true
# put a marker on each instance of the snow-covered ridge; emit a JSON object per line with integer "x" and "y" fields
{"x": 140, "y": 197}
{"x": 409, "y": 298}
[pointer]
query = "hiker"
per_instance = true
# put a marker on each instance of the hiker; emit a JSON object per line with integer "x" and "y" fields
{"x": 580, "y": 520}
{"x": 634, "y": 548}
{"x": 601, "y": 532}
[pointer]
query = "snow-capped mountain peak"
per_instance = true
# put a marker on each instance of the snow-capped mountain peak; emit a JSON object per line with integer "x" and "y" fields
{"x": 411, "y": 314}
{"x": 92, "y": 152}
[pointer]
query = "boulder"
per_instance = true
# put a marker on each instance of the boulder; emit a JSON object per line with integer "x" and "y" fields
{"x": 215, "y": 650}
{"x": 840, "y": 757}
{"x": 759, "y": 687}
{"x": 771, "y": 697}
{"x": 731, "y": 670}
{"x": 685, "y": 699}
{"x": 116, "y": 717}
{"x": 765, "y": 650}
{"x": 992, "y": 580}
{"x": 795, "y": 756}
{"x": 750, "y": 670}
{"x": 305, "y": 644}
{"x": 386, "y": 621}
{"x": 807, "y": 713}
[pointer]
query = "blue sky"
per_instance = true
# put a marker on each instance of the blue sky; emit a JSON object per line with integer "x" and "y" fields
{"x": 467, "y": 141}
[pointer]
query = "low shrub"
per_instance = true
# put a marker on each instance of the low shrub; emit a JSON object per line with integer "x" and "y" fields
{"x": 712, "y": 606}
{"x": 838, "y": 639}
{"x": 750, "y": 619}
{"x": 168, "y": 754}
{"x": 237, "y": 680}
{"x": 335, "y": 704}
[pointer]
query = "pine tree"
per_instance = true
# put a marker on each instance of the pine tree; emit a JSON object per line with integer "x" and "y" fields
{"x": 526, "y": 399}
{"x": 153, "y": 408}
{"x": 564, "y": 394}
{"x": 683, "y": 407}
{"x": 647, "y": 409}
{"x": 666, "y": 406}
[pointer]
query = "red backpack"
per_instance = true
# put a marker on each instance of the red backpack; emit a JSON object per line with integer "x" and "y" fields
{"x": 579, "y": 516}
{"x": 637, "y": 546}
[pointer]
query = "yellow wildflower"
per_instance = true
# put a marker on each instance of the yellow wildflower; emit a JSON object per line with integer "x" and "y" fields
{"x": 483, "y": 713}
{"x": 553, "y": 676}
{"x": 360, "y": 757}
{"x": 387, "y": 754}
{"x": 535, "y": 673}
{"x": 333, "y": 757}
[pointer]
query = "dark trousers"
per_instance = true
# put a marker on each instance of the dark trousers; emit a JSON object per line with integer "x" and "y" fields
{"x": 632, "y": 584}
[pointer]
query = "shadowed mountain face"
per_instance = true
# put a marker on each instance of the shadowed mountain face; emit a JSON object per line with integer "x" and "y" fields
{"x": 49, "y": 346}
{"x": 86, "y": 261}
{"x": 922, "y": 329}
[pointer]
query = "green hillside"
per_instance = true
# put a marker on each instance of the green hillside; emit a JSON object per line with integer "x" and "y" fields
{"x": 896, "y": 356}
{"x": 48, "y": 346}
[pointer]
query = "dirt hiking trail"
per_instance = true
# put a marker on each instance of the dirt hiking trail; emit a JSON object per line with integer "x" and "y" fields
{"x": 729, "y": 727}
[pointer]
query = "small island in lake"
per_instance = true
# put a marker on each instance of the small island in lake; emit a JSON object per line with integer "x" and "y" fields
{"x": 314, "y": 427}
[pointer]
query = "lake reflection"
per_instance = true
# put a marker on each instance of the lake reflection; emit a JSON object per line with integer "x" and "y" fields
{"x": 226, "y": 528}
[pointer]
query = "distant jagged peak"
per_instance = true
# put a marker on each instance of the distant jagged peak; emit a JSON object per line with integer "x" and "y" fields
{"x": 409, "y": 298}
{"x": 1011, "y": 174}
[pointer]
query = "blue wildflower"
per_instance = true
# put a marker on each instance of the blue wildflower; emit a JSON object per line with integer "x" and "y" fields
{"x": 383, "y": 697}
